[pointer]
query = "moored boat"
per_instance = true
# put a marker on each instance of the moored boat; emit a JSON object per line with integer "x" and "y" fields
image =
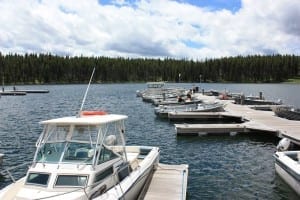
{"x": 162, "y": 111}
{"x": 85, "y": 157}
{"x": 287, "y": 166}
{"x": 255, "y": 100}
{"x": 287, "y": 112}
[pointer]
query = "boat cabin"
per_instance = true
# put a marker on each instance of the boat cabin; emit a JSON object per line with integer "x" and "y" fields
{"x": 81, "y": 152}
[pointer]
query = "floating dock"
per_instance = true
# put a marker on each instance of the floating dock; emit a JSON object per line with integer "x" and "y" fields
{"x": 203, "y": 116}
{"x": 215, "y": 129}
{"x": 168, "y": 182}
{"x": 254, "y": 120}
{"x": 12, "y": 93}
{"x": 33, "y": 91}
{"x": 20, "y": 92}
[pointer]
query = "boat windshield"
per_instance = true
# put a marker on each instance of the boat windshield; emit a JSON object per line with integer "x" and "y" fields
{"x": 78, "y": 144}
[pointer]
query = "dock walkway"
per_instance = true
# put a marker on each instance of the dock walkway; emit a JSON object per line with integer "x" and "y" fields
{"x": 267, "y": 121}
{"x": 168, "y": 182}
{"x": 255, "y": 120}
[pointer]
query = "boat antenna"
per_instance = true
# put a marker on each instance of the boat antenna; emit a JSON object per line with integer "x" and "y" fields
{"x": 87, "y": 89}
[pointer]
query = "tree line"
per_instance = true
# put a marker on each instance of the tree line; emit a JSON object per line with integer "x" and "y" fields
{"x": 50, "y": 69}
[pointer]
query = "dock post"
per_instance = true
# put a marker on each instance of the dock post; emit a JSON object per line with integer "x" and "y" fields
{"x": 203, "y": 91}
{"x": 242, "y": 99}
{"x": 260, "y": 96}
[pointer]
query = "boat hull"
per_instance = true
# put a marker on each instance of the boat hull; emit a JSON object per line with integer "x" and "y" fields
{"x": 287, "y": 166}
{"x": 295, "y": 185}
{"x": 129, "y": 188}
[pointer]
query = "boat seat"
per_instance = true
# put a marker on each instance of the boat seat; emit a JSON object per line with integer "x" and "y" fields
{"x": 132, "y": 158}
{"x": 82, "y": 153}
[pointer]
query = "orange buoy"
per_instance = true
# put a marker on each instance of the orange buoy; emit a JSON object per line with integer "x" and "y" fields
{"x": 93, "y": 112}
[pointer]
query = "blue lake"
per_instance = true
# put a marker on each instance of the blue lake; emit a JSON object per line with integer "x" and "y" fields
{"x": 220, "y": 167}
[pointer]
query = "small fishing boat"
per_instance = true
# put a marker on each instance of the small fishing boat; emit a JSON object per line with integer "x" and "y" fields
{"x": 287, "y": 166}
{"x": 175, "y": 101}
{"x": 85, "y": 157}
{"x": 152, "y": 87}
{"x": 255, "y": 100}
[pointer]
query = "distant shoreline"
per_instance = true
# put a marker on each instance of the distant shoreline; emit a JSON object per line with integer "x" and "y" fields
{"x": 290, "y": 81}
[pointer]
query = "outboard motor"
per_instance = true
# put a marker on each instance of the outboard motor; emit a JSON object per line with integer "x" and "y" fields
{"x": 283, "y": 144}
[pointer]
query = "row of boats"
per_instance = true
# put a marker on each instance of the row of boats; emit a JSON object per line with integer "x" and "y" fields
{"x": 168, "y": 100}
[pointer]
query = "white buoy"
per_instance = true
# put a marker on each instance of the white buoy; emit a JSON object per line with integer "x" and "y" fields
{"x": 283, "y": 144}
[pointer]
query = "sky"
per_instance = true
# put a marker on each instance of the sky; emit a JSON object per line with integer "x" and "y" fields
{"x": 180, "y": 29}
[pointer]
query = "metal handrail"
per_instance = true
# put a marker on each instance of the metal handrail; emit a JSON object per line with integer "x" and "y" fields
{"x": 7, "y": 171}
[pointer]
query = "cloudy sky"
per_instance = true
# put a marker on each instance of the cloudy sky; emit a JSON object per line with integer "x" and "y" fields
{"x": 192, "y": 29}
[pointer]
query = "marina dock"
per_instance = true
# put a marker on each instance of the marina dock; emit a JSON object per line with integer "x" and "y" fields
{"x": 20, "y": 92}
{"x": 254, "y": 120}
{"x": 168, "y": 182}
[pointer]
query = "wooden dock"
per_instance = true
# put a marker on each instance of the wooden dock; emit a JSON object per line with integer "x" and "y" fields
{"x": 168, "y": 182}
{"x": 202, "y": 116}
{"x": 204, "y": 129}
{"x": 255, "y": 120}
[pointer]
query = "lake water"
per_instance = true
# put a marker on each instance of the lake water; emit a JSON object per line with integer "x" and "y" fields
{"x": 220, "y": 167}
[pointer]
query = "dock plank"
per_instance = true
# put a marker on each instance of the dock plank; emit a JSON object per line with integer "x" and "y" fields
{"x": 168, "y": 182}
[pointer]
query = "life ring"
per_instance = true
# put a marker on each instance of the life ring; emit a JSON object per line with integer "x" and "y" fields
{"x": 91, "y": 113}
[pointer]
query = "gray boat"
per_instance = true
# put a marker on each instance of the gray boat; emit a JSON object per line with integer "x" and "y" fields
{"x": 287, "y": 112}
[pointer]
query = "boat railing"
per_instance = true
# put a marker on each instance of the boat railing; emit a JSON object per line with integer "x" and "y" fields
{"x": 8, "y": 170}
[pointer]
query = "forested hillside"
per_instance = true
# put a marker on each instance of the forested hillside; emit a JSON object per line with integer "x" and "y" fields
{"x": 47, "y": 68}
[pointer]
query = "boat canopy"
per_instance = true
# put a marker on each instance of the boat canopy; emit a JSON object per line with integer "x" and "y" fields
{"x": 84, "y": 140}
{"x": 86, "y": 120}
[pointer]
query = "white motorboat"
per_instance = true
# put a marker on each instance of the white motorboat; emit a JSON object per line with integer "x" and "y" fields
{"x": 162, "y": 110}
{"x": 287, "y": 166}
{"x": 85, "y": 157}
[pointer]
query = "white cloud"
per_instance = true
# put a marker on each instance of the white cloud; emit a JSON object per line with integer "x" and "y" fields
{"x": 149, "y": 28}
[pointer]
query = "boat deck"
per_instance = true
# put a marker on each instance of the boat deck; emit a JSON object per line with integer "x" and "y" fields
{"x": 168, "y": 182}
